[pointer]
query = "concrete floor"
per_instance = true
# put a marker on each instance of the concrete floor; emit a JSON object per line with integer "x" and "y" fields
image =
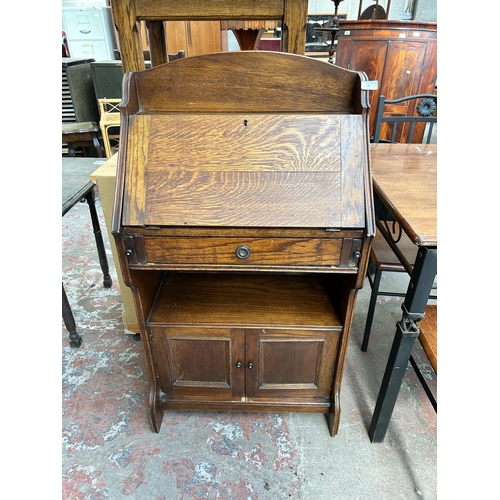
{"x": 110, "y": 452}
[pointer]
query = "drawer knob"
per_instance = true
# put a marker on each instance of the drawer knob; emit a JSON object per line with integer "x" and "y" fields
{"x": 357, "y": 254}
{"x": 242, "y": 252}
{"x": 250, "y": 365}
{"x": 238, "y": 364}
{"x": 128, "y": 252}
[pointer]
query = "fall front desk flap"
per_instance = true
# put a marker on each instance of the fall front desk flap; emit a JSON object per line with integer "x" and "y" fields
{"x": 245, "y": 170}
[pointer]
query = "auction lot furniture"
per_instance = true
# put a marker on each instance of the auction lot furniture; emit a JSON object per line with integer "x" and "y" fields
{"x": 82, "y": 135}
{"x": 105, "y": 178}
{"x": 382, "y": 259}
{"x": 400, "y": 55}
{"x": 243, "y": 221}
{"x": 405, "y": 182}
{"x": 128, "y": 13}
{"x": 77, "y": 186}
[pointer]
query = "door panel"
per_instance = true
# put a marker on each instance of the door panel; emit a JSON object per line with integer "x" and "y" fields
{"x": 199, "y": 362}
{"x": 368, "y": 56}
{"x": 402, "y": 78}
{"x": 290, "y": 364}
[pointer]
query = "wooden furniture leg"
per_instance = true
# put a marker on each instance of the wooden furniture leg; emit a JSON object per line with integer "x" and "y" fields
{"x": 248, "y": 39}
{"x": 69, "y": 321}
{"x": 82, "y": 135}
{"x": 107, "y": 281}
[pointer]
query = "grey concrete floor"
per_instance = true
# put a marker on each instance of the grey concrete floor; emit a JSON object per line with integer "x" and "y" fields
{"x": 109, "y": 451}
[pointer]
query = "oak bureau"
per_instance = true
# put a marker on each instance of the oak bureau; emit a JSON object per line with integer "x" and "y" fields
{"x": 243, "y": 220}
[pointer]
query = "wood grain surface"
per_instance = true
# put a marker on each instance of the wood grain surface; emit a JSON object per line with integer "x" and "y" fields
{"x": 245, "y": 170}
{"x": 405, "y": 177}
{"x": 244, "y": 300}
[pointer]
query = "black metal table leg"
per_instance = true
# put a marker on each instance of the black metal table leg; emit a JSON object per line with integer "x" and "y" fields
{"x": 69, "y": 321}
{"x": 419, "y": 288}
{"x": 98, "y": 239}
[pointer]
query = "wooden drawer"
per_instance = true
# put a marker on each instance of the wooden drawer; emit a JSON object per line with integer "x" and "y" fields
{"x": 244, "y": 251}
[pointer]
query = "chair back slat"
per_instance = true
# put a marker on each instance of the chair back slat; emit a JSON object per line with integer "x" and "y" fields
{"x": 128, "y": 15}
{"x": 406, "y": 128}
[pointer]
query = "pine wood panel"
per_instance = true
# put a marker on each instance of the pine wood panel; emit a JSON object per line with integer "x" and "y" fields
{"x": 428, "y": 334}
{"x": 193, "y": 37}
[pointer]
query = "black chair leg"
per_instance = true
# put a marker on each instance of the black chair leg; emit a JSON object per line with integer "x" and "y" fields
{"x": 69, "y": 321}
{"x": 101, "y": 251}
{"x": 371, "y": 308}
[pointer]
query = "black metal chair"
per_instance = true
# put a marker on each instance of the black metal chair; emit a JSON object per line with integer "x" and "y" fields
{"x": 414, "y": 127}
{"x": 411, "y": 117}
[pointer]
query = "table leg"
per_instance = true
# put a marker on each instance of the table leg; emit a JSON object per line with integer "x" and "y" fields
{"x": 419, "y": 288}
{"x": 98, "y": 146}
{"x": 69, "y": 321}
{"x": 98, "y": 239}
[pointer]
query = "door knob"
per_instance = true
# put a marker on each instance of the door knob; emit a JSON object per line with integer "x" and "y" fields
{"x": 238, "y": 364}
{"x": 250, "y": 365}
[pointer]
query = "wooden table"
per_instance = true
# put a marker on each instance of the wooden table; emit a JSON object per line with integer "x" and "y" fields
{"x": 82, "y": 134}
{"x": 77, "y": 186}
{"x": 405, "y": 182}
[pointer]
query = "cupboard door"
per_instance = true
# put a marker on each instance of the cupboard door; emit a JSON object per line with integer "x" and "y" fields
{"x": 193, "y": 37}
{"x": 368, "y": 56}
{"x": 403, "y": 69}
{"x": 402, "y": 77}
{"x": 290, "y": 365}
{"x": 204, "y": 37}
{"x": 200, "y": 363}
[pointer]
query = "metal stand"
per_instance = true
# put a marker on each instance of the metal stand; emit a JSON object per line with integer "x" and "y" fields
{"x": 422, "y": 278}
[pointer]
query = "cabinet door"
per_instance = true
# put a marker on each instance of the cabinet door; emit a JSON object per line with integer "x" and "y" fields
{"x": 402, "y": 77}
{"x": 204, "y": 37}
{"x": 194, "y": 37}
{"x": 199, "y": 363}
{"x": 403, "y": 69}
{"x": 292, "y": 366}
{"x": 368, "y": 56}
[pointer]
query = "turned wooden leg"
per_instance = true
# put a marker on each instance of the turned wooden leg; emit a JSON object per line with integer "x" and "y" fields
{"x": 69, "y": 321}
{"x": 98, "y": 146}
{"x": 98, "y": 239}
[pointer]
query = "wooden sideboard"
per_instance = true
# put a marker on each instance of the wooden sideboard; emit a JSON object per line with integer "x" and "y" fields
{"x": 243, "y": 220}
{"x": 400, "y": 55}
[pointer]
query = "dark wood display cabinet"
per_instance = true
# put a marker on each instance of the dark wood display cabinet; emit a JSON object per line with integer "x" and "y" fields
{"x": 400, "y": 55}
{"x": 243, "y": 220}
